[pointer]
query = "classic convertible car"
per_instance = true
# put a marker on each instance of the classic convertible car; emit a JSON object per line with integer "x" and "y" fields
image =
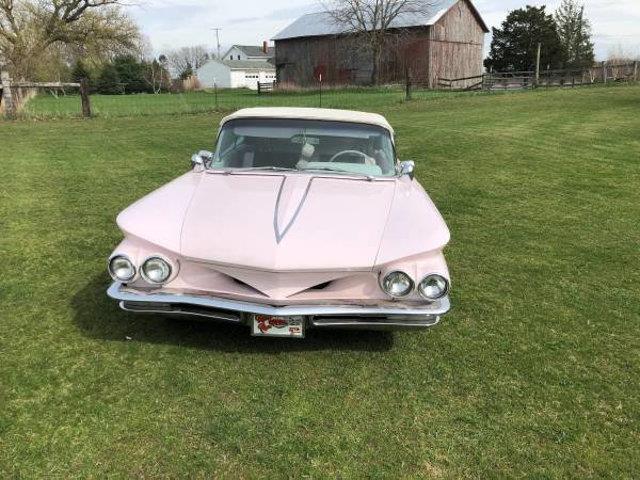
{"x": 302, "y": 218}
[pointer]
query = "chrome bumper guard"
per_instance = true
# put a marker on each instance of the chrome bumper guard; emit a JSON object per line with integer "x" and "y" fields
{"x": 318, "y": 316}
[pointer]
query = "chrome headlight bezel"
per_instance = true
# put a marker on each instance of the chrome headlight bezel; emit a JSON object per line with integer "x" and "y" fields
{"x": 163, "y": 261}
{"x": 385, "y": 277}
{"x": 112, "y": 269}
{"x": 444, "y": 291}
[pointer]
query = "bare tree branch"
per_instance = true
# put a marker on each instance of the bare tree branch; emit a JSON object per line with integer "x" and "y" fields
{"x": 29, "y": 28}
{"x": 371, "y": 19}
{"x": 187, "y": 60}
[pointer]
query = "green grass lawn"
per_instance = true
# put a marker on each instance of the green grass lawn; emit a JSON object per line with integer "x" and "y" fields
{"x": 533, "y": 374}
{"x": 48, "y": 106}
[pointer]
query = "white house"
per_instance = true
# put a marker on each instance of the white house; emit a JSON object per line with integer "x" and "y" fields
{"x": 250, "y": 52}
{"x": 236, "y": 73}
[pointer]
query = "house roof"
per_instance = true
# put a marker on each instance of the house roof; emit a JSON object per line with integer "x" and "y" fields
{"x": 249, "y": 65}
{"x": 322, "y": 23}
{"x": 245, "y": 64}
{"x": 254, "y": 51}
{"x": 323, "y": 114}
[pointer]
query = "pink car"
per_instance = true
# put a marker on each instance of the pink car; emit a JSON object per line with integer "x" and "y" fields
{"x": 302, "y": 218}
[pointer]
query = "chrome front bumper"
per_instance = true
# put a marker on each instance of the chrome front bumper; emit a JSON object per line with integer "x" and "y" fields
{"x": 318, "y": 316}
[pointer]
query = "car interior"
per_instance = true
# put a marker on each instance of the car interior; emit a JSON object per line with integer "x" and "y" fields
{"x": 355, "y": 151}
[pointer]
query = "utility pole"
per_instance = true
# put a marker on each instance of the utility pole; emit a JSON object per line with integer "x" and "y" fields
{"x": 538, "y": 64}
{"x": 217, "y": 30}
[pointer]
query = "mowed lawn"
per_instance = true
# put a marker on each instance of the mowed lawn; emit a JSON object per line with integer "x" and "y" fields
{"x": 48, "y": 106}
{"x": 534, "y": 373}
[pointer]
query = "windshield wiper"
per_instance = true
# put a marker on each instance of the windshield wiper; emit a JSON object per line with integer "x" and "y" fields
{"x": 261, "y": 169}
{"x": 338, "y": 170}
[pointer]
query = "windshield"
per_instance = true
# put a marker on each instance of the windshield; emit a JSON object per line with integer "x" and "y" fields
{"x": 305, "y": 145}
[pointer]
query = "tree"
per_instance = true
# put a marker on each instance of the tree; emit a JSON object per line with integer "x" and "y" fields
{"x": 109, "y": 82}
{"x": 157, "y": 76}
{"x": 575, "y": 35}
{"x": 127, "y": 74}
{"x": 30, "y": 29}
{"x": 371, "y": 20}
{"x": 131, "y": 73}
{"x": 184, "y": 61}
{"x": 79, "y": 72}
{"x": 514, "y": 46}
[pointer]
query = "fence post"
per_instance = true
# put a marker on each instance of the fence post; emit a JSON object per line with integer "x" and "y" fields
{"x": 635, "y": 71}
{"x": 604, "y": 72}
{"x": 7, "y": 96}
{"x": 407, "y": 74}
{"x": 84, "y": 96}
{"x": 538, "y": 65}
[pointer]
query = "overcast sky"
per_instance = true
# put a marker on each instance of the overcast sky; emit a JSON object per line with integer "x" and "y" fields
{"x": 175, "y": 23}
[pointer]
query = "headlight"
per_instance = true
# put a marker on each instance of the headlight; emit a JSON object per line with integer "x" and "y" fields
{"x": 433, "y": 287}
{"x": 121, "y": 269}
{"x": 397, "y": 284}
{"x": 156, "y": 270}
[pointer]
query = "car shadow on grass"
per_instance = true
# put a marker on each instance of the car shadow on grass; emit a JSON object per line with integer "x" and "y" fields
{"x": 99, "y": 317}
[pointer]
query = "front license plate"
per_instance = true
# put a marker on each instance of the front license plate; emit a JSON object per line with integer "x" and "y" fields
{"x": 268, "y": 326}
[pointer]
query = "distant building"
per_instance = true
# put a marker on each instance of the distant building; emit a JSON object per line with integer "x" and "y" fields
{"x": 265, "y": 53}
{"x": 235, "y": 73}
{"x": 446, "y": 40}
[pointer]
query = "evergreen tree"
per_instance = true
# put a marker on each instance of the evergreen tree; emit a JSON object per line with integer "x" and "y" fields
{"x": 125, "y": 74}
{"x": 514, "y": 46}
{"x": 109, "y": 82}
{"x": 131, "y": 73}
{"x": 574, "y": 30}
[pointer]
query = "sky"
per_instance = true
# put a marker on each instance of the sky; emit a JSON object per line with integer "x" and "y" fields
{"x": 175, "y": 23}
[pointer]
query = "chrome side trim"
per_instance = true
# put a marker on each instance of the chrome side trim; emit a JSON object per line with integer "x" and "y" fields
{"x": 436, "y": 309}
{"x": 176, "y": 310}
{"x": 372, "y": 324}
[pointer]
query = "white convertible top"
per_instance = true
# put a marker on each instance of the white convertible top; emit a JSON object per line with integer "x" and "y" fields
{"x": 324, "y": 114}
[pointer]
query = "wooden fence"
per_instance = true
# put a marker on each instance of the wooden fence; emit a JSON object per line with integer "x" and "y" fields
{"x": 465, "y": 83}
{"x": 504, "y": 81}
{"x": 13, "y": 93}
{"x": 266, "y": 87}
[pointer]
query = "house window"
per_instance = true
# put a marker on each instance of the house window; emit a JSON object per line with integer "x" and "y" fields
{"x": 238, "y": 57}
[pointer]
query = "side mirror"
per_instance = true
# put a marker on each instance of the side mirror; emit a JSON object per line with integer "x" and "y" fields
{"x": 201, "y": 158}
{"x": 406, "y": 168}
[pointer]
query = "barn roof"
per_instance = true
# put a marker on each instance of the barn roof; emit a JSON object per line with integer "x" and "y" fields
{"x": 322, "y": 23}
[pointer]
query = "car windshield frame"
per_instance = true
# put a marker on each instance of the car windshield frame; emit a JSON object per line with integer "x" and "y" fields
{"x": 374, "y": 144}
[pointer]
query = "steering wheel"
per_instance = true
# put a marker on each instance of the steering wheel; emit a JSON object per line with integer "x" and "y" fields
{"x": 349, "y": 152}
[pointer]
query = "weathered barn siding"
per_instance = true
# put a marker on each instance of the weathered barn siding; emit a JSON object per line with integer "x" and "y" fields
{"x": 346, "y": 60}
{"x": 340, "y": 60}
{"x": 451, "y": 48}
{"x": 457, "y": 42}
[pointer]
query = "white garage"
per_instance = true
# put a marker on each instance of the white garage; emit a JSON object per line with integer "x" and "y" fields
{"x": 236, "y": 73}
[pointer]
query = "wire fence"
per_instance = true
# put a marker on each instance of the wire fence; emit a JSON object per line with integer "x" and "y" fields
{"x": 55, "y": 101}
{"x": 55, "y": 104}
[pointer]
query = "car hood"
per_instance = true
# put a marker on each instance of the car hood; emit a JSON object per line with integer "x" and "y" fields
{"x": 288, "y": 222}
